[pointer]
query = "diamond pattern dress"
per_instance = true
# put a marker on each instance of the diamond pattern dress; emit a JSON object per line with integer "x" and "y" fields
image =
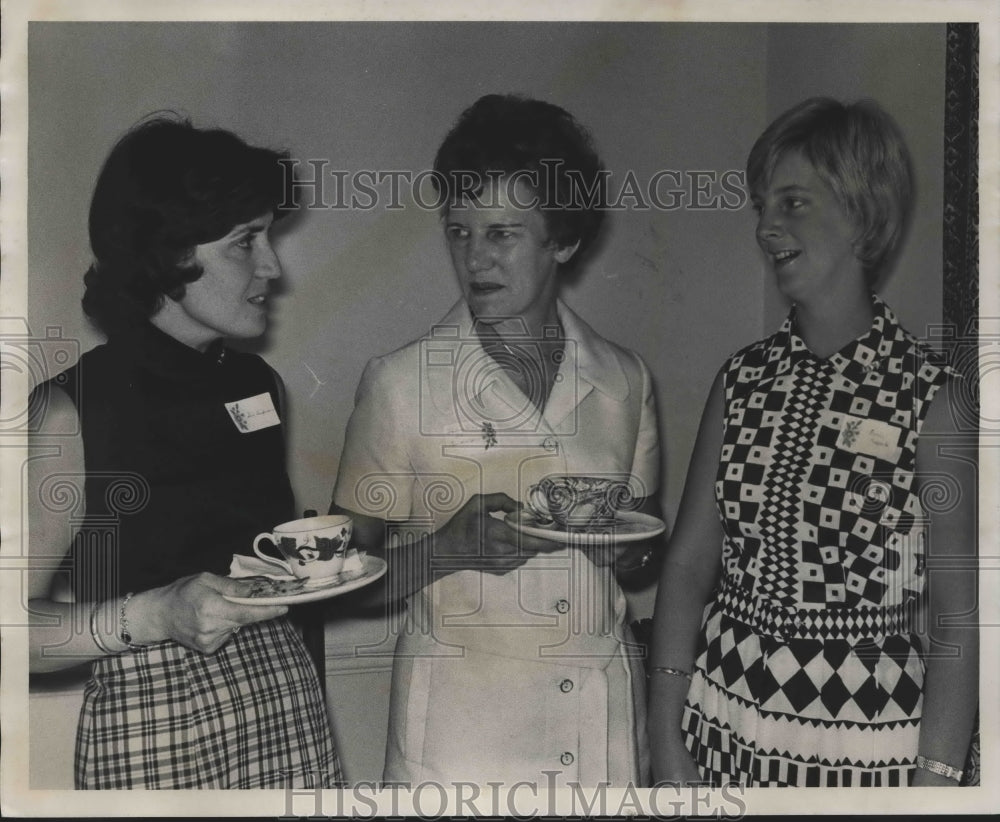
{"x": 807, "y": 672}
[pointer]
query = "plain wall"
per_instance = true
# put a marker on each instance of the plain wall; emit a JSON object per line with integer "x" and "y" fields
{"x": 684, "y": 287}
{"x": 911, "y": 87}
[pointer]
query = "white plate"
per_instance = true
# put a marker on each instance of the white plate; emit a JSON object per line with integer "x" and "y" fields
{"x": 629, "y": 526}
{"x": 374, "y": 568}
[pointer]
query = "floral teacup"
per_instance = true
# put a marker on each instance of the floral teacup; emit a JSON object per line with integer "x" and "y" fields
{"x": 579, "y": 502}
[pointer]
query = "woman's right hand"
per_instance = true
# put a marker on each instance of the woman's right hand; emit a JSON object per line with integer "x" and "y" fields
{"x": 673, "y": 764}
{"x": 473, "y": 539}
{"x": 485, "y": 542}
{"x": 687, "y": 577}
{"x": 193, "y": 612}
{"x": 671, "y": 760}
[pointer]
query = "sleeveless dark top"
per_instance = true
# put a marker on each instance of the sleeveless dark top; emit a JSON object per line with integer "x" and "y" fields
{"x": 173, "y": 486}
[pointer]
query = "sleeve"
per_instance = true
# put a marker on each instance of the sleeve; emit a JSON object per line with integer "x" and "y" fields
{"x": 375, "y": 476}
{"x": 646, "y": 460}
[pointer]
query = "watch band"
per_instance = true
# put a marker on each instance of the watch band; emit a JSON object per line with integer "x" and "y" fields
{"x": 940, "y": 768}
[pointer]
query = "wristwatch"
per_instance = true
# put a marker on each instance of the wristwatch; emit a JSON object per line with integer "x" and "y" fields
{"x": 940, "y": 768}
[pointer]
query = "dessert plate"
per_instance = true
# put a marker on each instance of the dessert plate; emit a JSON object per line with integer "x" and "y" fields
{"x": 628, "y": 526}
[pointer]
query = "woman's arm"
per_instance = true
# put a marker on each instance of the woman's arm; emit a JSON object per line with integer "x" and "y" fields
{"x": 689, "y": 572}
{"x": 951, "y": 684}
{"x": 376, "y": 468}
{"x": 190, "y": 610}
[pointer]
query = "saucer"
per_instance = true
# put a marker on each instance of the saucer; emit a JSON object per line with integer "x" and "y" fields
{"x": 275, "y": 590}
{"x": 628, "y": 526}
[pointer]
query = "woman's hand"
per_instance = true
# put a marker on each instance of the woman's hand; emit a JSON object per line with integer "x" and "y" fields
{"x": 687, "y": 577}
{"x": 926, "y": 779}
{"x": 674, "y": 765}
{"x": 193, "y": 612}
{"x": 634, "y": 563}
{"x": 476, "y": 540}
{"x": 672, "y": 762}
{"x": 473, "y": 539}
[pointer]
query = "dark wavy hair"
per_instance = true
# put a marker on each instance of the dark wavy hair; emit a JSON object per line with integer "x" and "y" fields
{"x": 166, "y": 187}
{"x": 857, "y": 150}
{"x": 501, "y": 135}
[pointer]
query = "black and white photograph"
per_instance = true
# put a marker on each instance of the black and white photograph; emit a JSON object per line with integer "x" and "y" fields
{"x": 510, "y": 411}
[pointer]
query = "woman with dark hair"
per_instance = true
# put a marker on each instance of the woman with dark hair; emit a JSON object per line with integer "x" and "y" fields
{"x": 809, "y": 511}
{"x": 516, "y": 664}
{"x": 188, "y": 689}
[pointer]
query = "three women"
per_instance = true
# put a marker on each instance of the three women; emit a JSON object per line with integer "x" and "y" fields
{"x": 801, "y": 523}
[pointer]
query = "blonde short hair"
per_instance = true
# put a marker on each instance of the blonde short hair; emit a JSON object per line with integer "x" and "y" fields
{"x": 860, "y": 153}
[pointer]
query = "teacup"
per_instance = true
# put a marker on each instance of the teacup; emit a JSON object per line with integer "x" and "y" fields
{"x": 578, "y": 502}
{"x": 313, "y": 548}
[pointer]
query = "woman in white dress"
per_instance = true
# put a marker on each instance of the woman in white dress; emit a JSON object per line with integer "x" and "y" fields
{"x": 516, "y": 663}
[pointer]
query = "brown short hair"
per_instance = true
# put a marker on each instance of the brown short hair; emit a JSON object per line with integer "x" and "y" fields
{"x": 166, "y": 187}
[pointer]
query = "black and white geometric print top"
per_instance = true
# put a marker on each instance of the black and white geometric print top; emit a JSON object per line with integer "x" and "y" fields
{"x": 816, "y": 486}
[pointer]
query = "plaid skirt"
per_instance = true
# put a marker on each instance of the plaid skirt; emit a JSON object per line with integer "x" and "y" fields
{"x": 251, "y": 715}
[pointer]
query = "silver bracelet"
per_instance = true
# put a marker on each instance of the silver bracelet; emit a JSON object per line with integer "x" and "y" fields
{"x": 669, "y": 671}
{"x": 123, "y": 632}
{"x": 94, "y": 633}
{"x": 940, "y": 768}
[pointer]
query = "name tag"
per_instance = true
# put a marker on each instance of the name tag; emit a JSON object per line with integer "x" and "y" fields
{"x": 864, "y": 436}
{"x": 253, "y": 413}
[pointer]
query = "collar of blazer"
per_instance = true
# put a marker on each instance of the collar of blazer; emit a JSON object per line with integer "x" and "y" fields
{"x": 592, "y": 359}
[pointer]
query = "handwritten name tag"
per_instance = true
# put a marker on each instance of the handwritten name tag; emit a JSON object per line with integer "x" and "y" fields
{"x": 253, "y": 413}
{"x": 864, "y": 436}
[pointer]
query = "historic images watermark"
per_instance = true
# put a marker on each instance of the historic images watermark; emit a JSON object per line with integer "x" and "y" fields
{"x": 314, "y": 184}
{"x": 517, "y": 800}
{"x": 31, "y": 359}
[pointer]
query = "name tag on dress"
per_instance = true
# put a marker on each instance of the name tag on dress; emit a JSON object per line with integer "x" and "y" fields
{"x": 253, "y": 413}
{"x": 864, "y": 436}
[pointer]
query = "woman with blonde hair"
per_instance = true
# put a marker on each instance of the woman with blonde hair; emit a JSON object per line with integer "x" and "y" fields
{"x": 803, "y": 523}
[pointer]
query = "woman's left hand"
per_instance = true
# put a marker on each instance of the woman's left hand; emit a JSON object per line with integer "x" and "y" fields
{"x": 926, "y": 779}
{"x": 628, "y": 557}
{"x": 194, "y": 612}
{"x": 612, "y": 553}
